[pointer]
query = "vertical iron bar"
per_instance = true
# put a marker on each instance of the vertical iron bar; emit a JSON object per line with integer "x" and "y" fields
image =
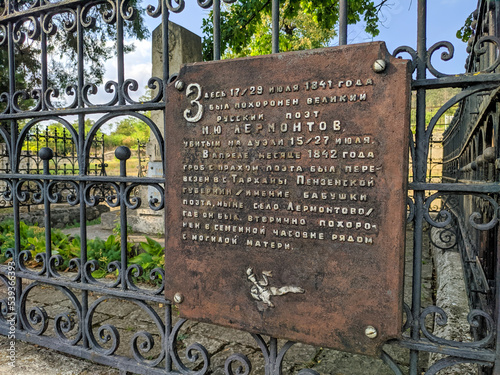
{"x": 216, "y": 21}
{"x": 496, "y": 24}
{"x": 12, "y": 66}
{"x": 56, "y": 139}
{"x": 276, "y": 26}
{"x": 14, "y": 165}
{"x": 120, "y": 52}
{"x": 38, "y": 138}
{"x": 81, "y": 159}
{"x": 496, "y": 368}
{"x": 103, "y": 162}
{"x": 273, "y": 355}
{"x": 44, "y": 69}
{"x": 168, "y": 331}
{"x": 166, "y": 62}
{"x": 46, "y": 156}
{"x": 123, "y": 154}
{"x": 166, "y": 74}
{"x": 420, "y": 160}
{"x": 343, "y": 22}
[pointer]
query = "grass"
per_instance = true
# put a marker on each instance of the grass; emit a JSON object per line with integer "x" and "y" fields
{"x": 113, "y": 168}
{"x": 6, "y": 210}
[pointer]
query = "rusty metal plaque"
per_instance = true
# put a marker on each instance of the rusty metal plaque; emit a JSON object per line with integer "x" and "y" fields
{"x": 286, "y": 194}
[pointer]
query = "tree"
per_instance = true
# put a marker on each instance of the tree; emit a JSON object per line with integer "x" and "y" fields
{"x": 128, "y": 132}
{"x": 304, "y": 24}
{"x": 466, "y": 31}
{"x": 62, "y": 48}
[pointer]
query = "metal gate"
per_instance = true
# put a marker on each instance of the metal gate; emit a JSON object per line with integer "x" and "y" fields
{"x": 468, "y": 192}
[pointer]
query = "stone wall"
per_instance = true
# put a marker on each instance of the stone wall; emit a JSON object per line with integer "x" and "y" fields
{"x": 451, "y": 296}
{"x": 60, "y": 215}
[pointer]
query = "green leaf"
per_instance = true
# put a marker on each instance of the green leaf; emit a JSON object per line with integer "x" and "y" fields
{"x": 141, "y": 258}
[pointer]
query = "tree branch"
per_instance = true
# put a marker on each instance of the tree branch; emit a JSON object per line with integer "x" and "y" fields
{"x": 255, "y": 14}
{"x": 379, "y": 6}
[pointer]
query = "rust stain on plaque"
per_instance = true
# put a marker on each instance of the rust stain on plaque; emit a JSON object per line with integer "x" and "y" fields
{"x": 286, "y": 194}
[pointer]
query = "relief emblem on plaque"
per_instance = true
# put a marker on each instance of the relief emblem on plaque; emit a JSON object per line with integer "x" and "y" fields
{"x": 261, "y": 291}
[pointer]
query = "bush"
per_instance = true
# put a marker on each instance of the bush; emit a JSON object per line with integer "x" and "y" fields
{"x": 104, "y": 252}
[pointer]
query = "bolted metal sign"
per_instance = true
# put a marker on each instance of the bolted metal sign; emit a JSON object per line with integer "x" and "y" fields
{"x": 286, "y": 194}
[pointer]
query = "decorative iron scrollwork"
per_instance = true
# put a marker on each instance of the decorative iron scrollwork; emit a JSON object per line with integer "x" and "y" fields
{"x": 445, "y": 56}
{"x": 442, "y": 319}
{"x": 154, "y": 11}
{"x": 194, "y": 353}
{"x": 480, "y": 48}
{"x": 444, "y": 217}
{"x": 244, "y": 368}
{"x": 176, "y": 8}
{"x": 411, "y": 52}
{"x": 452, "y": 361}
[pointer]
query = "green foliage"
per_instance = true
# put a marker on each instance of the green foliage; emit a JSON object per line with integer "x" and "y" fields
{"x": 7, "y": 239}
{"x": 104, "y": 251}
{"x": 33, "y": 239}
{"x": 434, "y": 101}
{"x": 153, "y": 256}
{"x": 76, "y": 224}
{"x": 118, "y": 229}
{"x": 466, "y": 30}
{"x": 304, "y": 24}
{"x": 61, "y": 244}
{"x": 127, "y": 132}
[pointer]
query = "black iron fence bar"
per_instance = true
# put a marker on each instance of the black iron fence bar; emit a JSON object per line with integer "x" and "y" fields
{"x": 46, "y": 155}
{"x": 85, "y": 178}
{"x": 166, "y": 74}
{"x": 276, "y": 26}
{"x": 216, "y": 21}
{"x": 469, "y": 187}
{"x": 496, "y": 311}
{"x": 115, "y": 292}
{"x": 141, "y": 155}
{"x": 123, "y": 154}
{"x": 343, "y": 9}
{"x": 486, "y": 355}
{"x": 125, "y": 364}
{"x": 459, "y": 81}
{"x": 165, "y": 49}
{"x": 120, "y": 52}
{"x": 12, "y": 65}
{"x": 420, "y": 175}
{"x": 84, "y": 110}
{"x": 44, "y": 66}
{"x": 13, "y": 160}
{"x": 13, "y": 15}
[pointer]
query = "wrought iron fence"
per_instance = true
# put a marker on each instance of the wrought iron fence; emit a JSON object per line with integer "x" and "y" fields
{"x": 64, "y": 162}
{"x": 469, "y": 170}
{"x": 141, "y": 155}
{"x": 471, "y": 159}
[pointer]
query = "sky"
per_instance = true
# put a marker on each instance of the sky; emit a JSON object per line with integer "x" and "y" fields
{"x": 398, "y": 24}
{"x": 398, "y": 27}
